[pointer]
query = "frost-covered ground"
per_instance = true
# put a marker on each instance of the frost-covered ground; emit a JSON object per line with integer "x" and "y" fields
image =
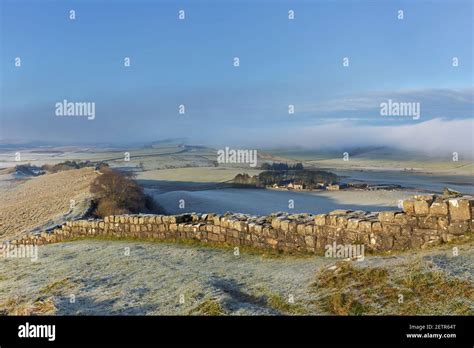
{"x": 44, "y": 201}
{"x": 155, "y": 277}
{"x": 151, "y": 279}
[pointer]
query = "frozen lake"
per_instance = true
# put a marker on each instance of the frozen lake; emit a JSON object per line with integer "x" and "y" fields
{"x": 430, "y": 182}
{"x": 262, "y": 202}
{"x": 202, "y": 198}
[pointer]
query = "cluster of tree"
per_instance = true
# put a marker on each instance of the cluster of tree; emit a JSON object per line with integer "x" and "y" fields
{"x": 68, "y": 165}
{"x": 282, "y": 166}
{"x": 245, "y": 179}
{"x": 116, "y": 193}
{"x": 310, "y": 178}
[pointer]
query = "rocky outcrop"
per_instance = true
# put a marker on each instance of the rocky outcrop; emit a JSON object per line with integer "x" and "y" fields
{"x": 424, "y": 221}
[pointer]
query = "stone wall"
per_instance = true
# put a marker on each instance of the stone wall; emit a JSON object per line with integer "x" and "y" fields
{"x": 425, "y": 220}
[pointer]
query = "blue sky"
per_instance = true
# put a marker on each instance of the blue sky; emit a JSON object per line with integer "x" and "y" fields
{"x": 189, "y": 62}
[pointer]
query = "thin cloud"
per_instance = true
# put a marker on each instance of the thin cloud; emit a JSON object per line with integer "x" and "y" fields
{"x": 436, "y": 137}
{"x": 441, "y": 99}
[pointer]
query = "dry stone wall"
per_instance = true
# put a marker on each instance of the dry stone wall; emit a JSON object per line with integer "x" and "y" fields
{"x": 424, "y": 220}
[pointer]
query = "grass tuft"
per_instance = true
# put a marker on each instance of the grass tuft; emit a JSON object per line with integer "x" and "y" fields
{"x": 277, "y": 302}
{"x": 19, "y": 306}
{"x": 412, "y": 288}
{"x": 210, "y": 307}
{"x": 57, "y": 287}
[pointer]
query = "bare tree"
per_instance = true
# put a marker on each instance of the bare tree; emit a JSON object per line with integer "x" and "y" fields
{"x": 118, "y": 193}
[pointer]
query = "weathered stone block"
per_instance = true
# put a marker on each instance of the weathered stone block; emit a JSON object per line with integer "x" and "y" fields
{"x": 420, "y": 232}
{"x": 400, "y": 218}
{"x": 401, "y": 242}
{"x": 332, "y": 220}
{"x": 428, "y": 222}
{"x": 416, "y": 241}
{"x": 276, "y": 222}
{"x": 376, "y": 227}
{"x": 422, "y": 208}
{"x": 391, "y": 229}
{"x": 284, "y": 226}
{"x": 272, "y": 242}
{"x": 430, "y": 243}
{"x": 365, "y": 226}
{"x": 448, "y": 237}
{"x": 226, "y": 223}
{"x": 251, "y": 227}
{"x": 459, "y": 209}
{"x": 424, "y": 198}
{"x": 300, "y": 229}
{"x": 241, "y": 226}
{"x": 387, "y": 242}
{"x": 411, "y": 220}
{"x": 458, "y": 227}
{"x": 342, "y": 221}
{"x": 353, "y": 224}
{"x": 210, "y": 216}
{"x": 387, "y": 216}
{"x": 339, "y": 212}
{"x": 406, "y": 231}
{"x": 309, "y": 241}
{"x": 320, "y": 219}
{"x": 408, "y": 206}
{"x": 439, "y": 208}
